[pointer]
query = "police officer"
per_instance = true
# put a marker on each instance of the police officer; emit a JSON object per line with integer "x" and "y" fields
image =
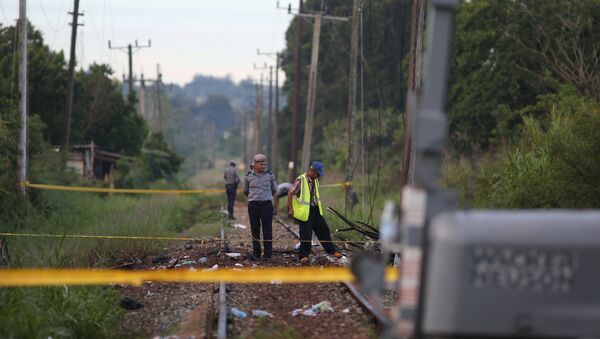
{"x": 232, "y": 181}
{"x": 259, "y": 187}
{"x": 304, "y": 205}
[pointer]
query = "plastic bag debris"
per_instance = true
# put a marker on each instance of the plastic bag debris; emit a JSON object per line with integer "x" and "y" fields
{"x": 344, "y": 261}
{"x": 202, "y": 260}
{"x": 323, "y": 306}
{"x": 240, "y": 226}
{"x": 185, "y": 263}
{"x": 215, "y": 266}
{"x": 237, "y": 264}
{"x": 234, "y": 256}
{"x": 261, "y": 314}
{"x": 238, "y": 313}
{"x": 346, "y": 310}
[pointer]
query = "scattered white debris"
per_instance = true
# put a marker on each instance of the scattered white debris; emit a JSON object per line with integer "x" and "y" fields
{"x": 323, "y": 306}
{"x": 212, "y": 268}
{"x": 261, "y": 314}
{"x": 235, "y": 256}
{"x": 241, "y": 226}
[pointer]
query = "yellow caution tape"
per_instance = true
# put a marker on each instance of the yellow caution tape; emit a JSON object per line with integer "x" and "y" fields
{"x": 119, "y": 190}
{"x": 92, "y": 236}
{"x": 346, "y": 184}
{"x": 54, "y": 277}
{"x": 138, "y": 191}
{"x": 133, "y": 237}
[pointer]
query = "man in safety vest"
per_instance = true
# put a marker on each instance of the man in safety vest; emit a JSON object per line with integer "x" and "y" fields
{"x": 304, "y": 205}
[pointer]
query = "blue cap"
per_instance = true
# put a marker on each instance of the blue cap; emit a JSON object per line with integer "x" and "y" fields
{"x": 317, "y": 166}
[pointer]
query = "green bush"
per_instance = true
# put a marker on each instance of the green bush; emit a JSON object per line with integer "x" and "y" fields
{"x": 555, "y": 164}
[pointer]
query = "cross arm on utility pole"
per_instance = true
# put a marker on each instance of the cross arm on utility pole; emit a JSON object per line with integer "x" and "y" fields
{"x": 129, "y": 49}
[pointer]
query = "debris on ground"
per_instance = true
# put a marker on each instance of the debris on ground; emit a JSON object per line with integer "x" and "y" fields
{"x": 313, "y": 243}
{"x": 346, "y": 310}
{"x": 185, "y": 263}
{"x": 234, "y": 256}
{"x": 237, "y": 264}
{"x": 202, "y": 260}
{"x": 322, "y": 259}
{"x": 261, "y": 314}
{"x": 238, "y": 313}
{"x": 130, "y": 304}
{"x": 215, "y": 266}
{"x": 241, "y": 226}
{"x": 323, "y": 306}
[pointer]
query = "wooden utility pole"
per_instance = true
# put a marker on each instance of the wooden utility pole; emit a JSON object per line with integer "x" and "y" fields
{"x": 22, "y": 158}
{"x": 352, "y": 94}
{"x": 312, "y": 86}
{"x": 71, "y": 74}
{"x": 142, "y": 96}
{"x": 270, "y": 119}
{"x": 273, "y": 129}
{"x": 274, "y": 161}
{"x": 297, "y": 87}
{"x": 129, "y": 50}
{"x": 258, "y": 115}
{"x": 414, "y": 83}
{"x": 158, "y": 98}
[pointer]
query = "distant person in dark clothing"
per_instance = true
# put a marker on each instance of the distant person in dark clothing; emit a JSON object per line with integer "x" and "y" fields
{"x": 232, "y": 181}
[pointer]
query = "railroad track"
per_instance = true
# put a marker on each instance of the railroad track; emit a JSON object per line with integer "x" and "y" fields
{"x": 268, "y": 297}
{"x": 381, "y": 318}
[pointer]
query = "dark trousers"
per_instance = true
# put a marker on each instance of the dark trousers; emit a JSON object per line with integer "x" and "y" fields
{"x": 231, "y": 192}
{"x": 316, "y": 223}
{"x": 261, "y": 213}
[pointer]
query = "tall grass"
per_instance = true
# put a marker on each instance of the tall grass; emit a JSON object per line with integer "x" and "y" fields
{"x": 89, "y": 312}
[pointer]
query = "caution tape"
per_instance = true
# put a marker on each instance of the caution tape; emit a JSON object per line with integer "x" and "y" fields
{"x": 344, "y": 184}
{"x": 59, "y": 277}
{"x": 139, "y": 191}
{"x": 132, "y": 237}
{"x": 92, "y": 236}
{"x": 119, "y": 190}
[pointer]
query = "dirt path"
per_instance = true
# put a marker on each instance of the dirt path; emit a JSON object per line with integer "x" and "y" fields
{"x": 189, "y": 310}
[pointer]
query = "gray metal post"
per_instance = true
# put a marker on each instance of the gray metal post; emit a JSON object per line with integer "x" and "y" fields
{"x": 422, "y": 200}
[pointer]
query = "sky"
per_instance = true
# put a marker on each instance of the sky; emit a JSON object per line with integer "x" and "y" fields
{"x": 188, "y": 37}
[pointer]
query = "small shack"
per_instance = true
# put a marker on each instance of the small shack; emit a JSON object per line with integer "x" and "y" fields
{"x": 92, "y": 162}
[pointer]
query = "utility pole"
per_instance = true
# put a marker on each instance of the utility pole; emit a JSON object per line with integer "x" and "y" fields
{"x": 270, "y": 119}
{"x": 158, "y": 98}
{"x": 297, "y": 86}
{"x": 22, "y": 158}
{"x": 275, "y": 128}
{"x": 259, "y": 108}
{"x": 414, "y": 83}
{"x": 142, "y": 96}
{"x": 155, "y": 120}
{"x": 312, "y": 84}
{"x": 129, "y": 49}
{"x": 71, "y": 75}
{"x": 352, "y": 96}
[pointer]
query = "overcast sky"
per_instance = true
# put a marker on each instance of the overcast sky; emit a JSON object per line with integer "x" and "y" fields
{"x": 212, "y": 37}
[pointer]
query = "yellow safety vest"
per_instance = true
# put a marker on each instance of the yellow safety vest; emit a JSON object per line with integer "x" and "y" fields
{"x": 301, "y": 204}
